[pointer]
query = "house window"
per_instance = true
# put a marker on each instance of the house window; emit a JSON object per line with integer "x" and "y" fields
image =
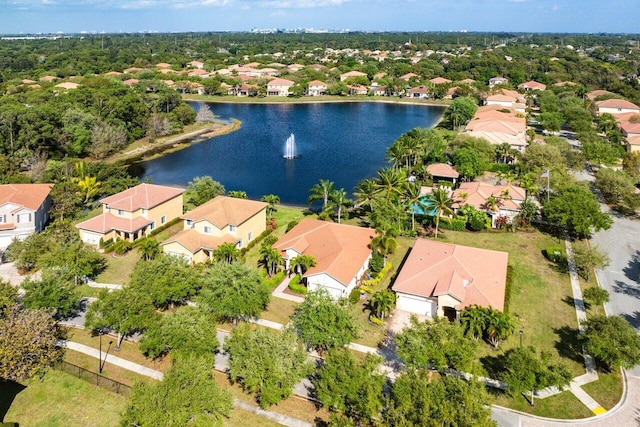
{"x": 153, "y": 225}
{"x": 24, "y": 218}
{"x": 207, "y": 230}
{"x": 163, "y": 219}
{"x": 189, "y": 223}
{"x": 250, "y": 236}
{"x": 120, "y": 212}
{"x": 3, "y": 219}
{"x": 144, "y": 211}
{"x": 232, "y": 228}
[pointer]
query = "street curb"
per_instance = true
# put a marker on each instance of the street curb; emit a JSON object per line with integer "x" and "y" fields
{"x": 605, "y": 415}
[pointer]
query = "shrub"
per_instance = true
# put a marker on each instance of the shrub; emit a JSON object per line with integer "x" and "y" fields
{"x": 553, "y": 253}
{"x": 295, "y": 286}
{"x": 291, "y": 224}
{"x": 376, "y": 263}
{"x": 121, "y": 247}
{"x": 456, "y": 224}
{"x": 373, "y": 319}
{"x": 274, "y": 281}
{"x": 354, "y": 296}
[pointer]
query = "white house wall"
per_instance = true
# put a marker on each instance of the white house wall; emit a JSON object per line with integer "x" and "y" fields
{"x": 328, "y": 283}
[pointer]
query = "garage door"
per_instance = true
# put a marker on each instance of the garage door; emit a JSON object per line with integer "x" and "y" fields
{"x": 416, "y": 305}
{"x": 5, "y": 241}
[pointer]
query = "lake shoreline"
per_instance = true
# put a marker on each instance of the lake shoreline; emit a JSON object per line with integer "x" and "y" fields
{"x": 308, "y": 100}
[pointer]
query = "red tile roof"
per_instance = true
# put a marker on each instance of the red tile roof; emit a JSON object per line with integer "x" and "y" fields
{"x": 617, "y": 103}
{"x": 222, "y": 211}
{"x": 106, "y": 222}
{"x": 477, "y": 194}
{"x": 442, "y": 169}
{"x": 143, "y": 196}
{"x": 339, "y": 250}
{"x": 470, "y": 275}
{"x": 439, "y": 81}
{"x": 280, "y": 82}
{"x": 193, "y": 241}
{"x": 30, "y": 196}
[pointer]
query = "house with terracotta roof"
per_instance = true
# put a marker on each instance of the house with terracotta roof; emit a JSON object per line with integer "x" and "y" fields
{"x": 420, "y": 92}
{"x": 599, "y": 93}
{"x": 48, "y": 79}
{"x": 532, "y": 85}
{"x": 350, "y": 74}
{"x": 498, "y": 124}
{"x": 629, "y": 124}
{"x": 496, "y": 200}
{"x": 442, "y": 279}
{"x": 279, "y": 87}
{"x": 199, "y": 72}
{"x": 341, "y": 252}
{"x": 133, "y": 213}
{"x": 24, "y": 209}
{"x": 220, "y": 220}
{"x": 162, "y": 65}
{"x": 195, "y": 64}
{"x": 317, "y": 88}
{"x": 497, "y": 81}
{"x": 133, "y": 70}
{"x": 440, "y": 81}
{"x": 616, "y": 106}
{"x": 443, "y": 172}
{"x": 67, "y": 85}
{"x": 131, "y": 82}
{"x": 408, "y": 76}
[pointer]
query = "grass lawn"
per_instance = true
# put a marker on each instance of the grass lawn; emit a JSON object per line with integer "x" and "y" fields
{"x": 563, "y": 405}
{"x": 279, "y": 310}
{"x": 540, "y": 299}
{"x": 119, "y": 269}
{"x": 110, "y": 371}
{"x": 59, "y": 399}
{"x": 607, "y": 391}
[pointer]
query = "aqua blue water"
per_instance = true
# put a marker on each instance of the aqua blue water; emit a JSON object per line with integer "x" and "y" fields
{"x": 341, "y": 142}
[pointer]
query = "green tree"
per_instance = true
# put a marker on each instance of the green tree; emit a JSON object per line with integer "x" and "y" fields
{"x": 323, "y": 323}
{"x": 382, "y": 302}
{"x": 596, "y": 296}
{"x": 524, "y": 370}
{"x": 440, "y": 201}
{"x": 321, "y": 191}
{"x": 416, "y": 401}
{"x": 384, "y": 242}
{"x": 267, "y": 364}
{"x": 612, "y": 342}
{"x": 89, "y": 187}
{"x": 51, "y": 292}
{"x": 27, "y": 342}
{"x": 302, "y": 263}
{"x": 631, "y": 164}
{"x": 589, "y": 257}
{"x": 72, "y": 259}
{"x": 149, "y": 249}
{"x": 232, "y": 292}
{"x": 437, "y": 344}
{"x": 339, "y": 201}
{"x": 226, "y": 252}
{"x": 390, "y": 183}
{"x": 188, "y": 330}
{"x": 270, "y": 259}
{"x": 576, "y": 210}
{"x": 187, "y": 396}
{"x": 615, "y": 186}
{"x": 202, "y": 189}
{"x": 353, "y": 389}
{"x": 238, "y": 194}
{"x": 272, "y": 200}
{"x": 166, "y": 280}
{"x": 125, "y": 311}
{"x": 460, "y": 111}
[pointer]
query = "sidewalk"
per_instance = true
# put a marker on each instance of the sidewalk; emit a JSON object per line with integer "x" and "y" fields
{"x": 278, "y": 292}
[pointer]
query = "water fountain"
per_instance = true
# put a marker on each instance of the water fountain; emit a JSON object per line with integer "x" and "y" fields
{"x": 290, "y": 148}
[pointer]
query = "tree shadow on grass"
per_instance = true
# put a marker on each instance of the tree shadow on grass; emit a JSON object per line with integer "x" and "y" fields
{"x": 493, "y": 365}
{"x": 571, "y": 302}
{"x": 8, "y": 390}
{"x": 568, "y": 345}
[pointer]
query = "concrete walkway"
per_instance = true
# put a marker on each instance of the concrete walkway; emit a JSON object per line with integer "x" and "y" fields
{"x": 94, "y": 284}
{"x": 143, "y": 370}
{"x": 278, "y": 292}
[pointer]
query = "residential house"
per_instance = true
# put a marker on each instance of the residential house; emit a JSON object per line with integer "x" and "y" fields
{"x": 408, "y": 76}
{"x": 133, "y": 70}
{"x": 24, "y": 209}
{"x": 532, "y": 85}
{"x": 496, "y": 200}
{"x": 350, "y": 74}
{"x": 442, "y": 279}
{"x": 317, "y": 88}
{"x": 341, "y": 253}
{"x": 440, "y": 81}
{"x": 163, "y": 65}
{"x": 420, "y": 92}
{"x": 358, "y": 90}
{"x": 48, "y": 79}
{"x": 220, "y": 220}
{"x": 279, "y": 87}
{"x": 443, "y": 172}
{"x": 377, "y": 90}
{"x": 247, "y": 90}
{"x": 629, "y": 125}
{"x": 497, "y": 81}
{"x": 195, "y": 64}
{"x": 616, "y": 106}
{"x": 599, "y": 93}
{"x": 133, "y": 213}
{"x": 67, "y": 85}
{"x": 131, "y": 82}
{"x": 498, "y": 124}
{"x": 199, "y": 72}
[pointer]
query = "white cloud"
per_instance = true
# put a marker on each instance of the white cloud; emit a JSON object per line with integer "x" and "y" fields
{"x": 301, "y": 4}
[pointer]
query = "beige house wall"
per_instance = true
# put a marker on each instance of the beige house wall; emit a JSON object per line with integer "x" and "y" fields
{"x": 446, "y": 301}
{"x": 171, "y": 209}
{"x": 175, "y": 248}
{"x": 251, "y": 228}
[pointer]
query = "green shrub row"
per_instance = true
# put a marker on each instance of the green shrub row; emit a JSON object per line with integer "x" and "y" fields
{"x": 553, "y": 253}
{"x": 456, "y": 224}
{"x": 295, "y": 286}
{"x": 273, "y": 281}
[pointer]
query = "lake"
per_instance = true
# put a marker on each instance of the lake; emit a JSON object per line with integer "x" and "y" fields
{"x": 341, "y": 142}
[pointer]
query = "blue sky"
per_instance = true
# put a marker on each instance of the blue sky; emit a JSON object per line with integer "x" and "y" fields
{"x": 585, "y": 16}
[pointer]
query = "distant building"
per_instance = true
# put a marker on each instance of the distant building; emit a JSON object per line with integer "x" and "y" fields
{"x": 24, "y": 209}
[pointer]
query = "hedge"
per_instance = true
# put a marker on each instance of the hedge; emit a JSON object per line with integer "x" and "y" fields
{"x": 274, "y": 281}
{"x": 456, "y": 224}
{"x": 295, "y": 286}
{"x": 553, "y": 253}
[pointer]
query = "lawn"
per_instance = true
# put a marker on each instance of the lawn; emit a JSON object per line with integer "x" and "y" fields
{"x": 119, "y": 269}
{"x": 279, "y": 310}
{"x": 563, "y": 405}
{"x": 59, "y": 399}
{"x": 607, "y": 391}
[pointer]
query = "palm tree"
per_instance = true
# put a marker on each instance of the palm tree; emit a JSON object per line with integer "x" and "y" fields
{"x": 365, "y": 193}
{"x": 414, "y": 200}
{"x": 89, "y": 187}
{"x": 149, "y": 248}
{"x": 226, "y": 252}
{"x": 321, "y": 191}
{"x": 338, "y": 199}
{"x": 502, "y": 151}
{"x": 473, "y": 319}
{"x": 529, "y": 185}
{"x": 270, "y": 259}
{"x": 272, "y": 200}
{"x": 498, "y": 326}
{"x": 302, "y": 263}
{"x": 390, "y": 182}
{"x": 238, "y": 194}
{"x": 439, "y": 200}
{"x": 384, "y": 242}
{"x": 396, "y": 154}
{"x": 382, "y": 302}
{"x": 492, "y": 203}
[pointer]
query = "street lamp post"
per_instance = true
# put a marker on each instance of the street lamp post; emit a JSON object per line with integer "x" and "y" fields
{"x": 100, "y": 361}
{"x": 521, "y": 332}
